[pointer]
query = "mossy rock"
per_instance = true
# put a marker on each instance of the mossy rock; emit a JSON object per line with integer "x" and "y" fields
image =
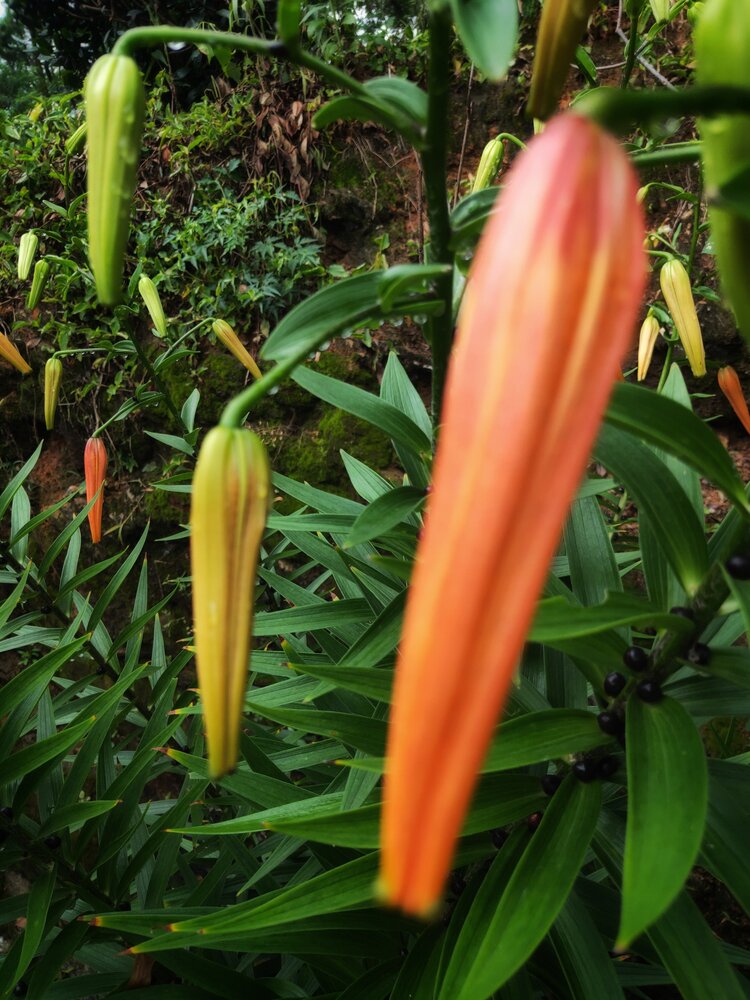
{"x": 313, "y": 456}
{"x": 163, "y": 507}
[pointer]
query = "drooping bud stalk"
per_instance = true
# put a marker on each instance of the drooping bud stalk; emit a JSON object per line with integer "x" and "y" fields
{"x": 115, "y": 103}
{"x": 561, "y": 26}
{"x": 95, "y": 470}
{"x": 646, "y": 341}
{"x": 489, "y": 164}
{"x": 10, "y": 353}
{"x": 52, "y": 378}
{"x": 559, "y": 262}
{"x": 76, "y": 139}
{"x": 26, "y": 252}
{"x": 729, "y": 383}
{"x": 234, "y": 345}
{"x": 230, "y": 498}
{"x": 151, "y": 300}
{"x": 722, "y": 43}
{"x": 675, "y": 287}
{"x": 42, "y": 270}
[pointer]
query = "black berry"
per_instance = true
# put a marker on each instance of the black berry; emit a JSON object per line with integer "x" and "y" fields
{"x": 649, "y": 691}
{"x": 606, "y": 767}
{"x": 614, "y": 682}
{"x": 683, "y": 613}
{"x": 738, "y": 566}
{"x": 635, "y": 658}
{"x": 699, "y": 654}
{"x": 7, "y": 813}
{"x": 585, "y": 770}
{"x": 534, "y": 820}
{"x": 610, "y": 723}
{"x": 550, "y": 783}
{"x": 53, "y": 842}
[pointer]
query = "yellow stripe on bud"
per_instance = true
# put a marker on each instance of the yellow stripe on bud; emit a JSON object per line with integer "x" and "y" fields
{"x": 675, "y": 287}
{"x": 230, "y": 499}
{"x": 646, "y": 341}
{"x": 234, "y": 345}
{"x": 42, "y": 270}
{"x": 52, "y": 377}
{"x": 489, "y": 164}
{"x": 151, "y": 300}
{"x": 26, "y": 251}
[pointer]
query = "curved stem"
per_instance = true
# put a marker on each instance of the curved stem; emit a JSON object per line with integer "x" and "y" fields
{"x": 618, "y": 110}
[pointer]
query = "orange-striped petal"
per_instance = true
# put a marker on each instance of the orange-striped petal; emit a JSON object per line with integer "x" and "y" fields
{"x": 729, "y": 383}
{"x": 548, "y": 314}
{"x": 95, "y": 469}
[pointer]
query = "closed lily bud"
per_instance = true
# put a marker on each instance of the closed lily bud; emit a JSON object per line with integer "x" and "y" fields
{"x": 42, "y": 270}
{"x": 95, "y": 469}
{"x": 661, "y": 9}
{"x": 52, "y": 378}
{"x": 729, "y": 383}
{"x": 10, "y": 353}
{"x": 26, "y": 252}
{"x": 646, "y": 340}
{"x": 561, "y": 27}
{"x": 230, "y": 498}
{"x": 489, "y": 164}
{"x": 76, "y": 139}
{"x": 675, "y": 287}
{"x": 234, "y": 345}
{"x": 560, "y": 262}
{"x": 115, "y": 103}
{"x": 152, "y": 302}
{"x": 722, "y": 42}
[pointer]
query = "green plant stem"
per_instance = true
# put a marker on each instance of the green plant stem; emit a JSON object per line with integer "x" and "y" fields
{"x": 155, "y": 379}
{"x": 619, "y": 110}
{"x": 665, "y": 369}
{"x": 434, "y": 167}
{"x": 141, "y": 38}
{"x": 675, "y": 152}
{"x": 630, "y": 52}
{"x": 237, "y": 409}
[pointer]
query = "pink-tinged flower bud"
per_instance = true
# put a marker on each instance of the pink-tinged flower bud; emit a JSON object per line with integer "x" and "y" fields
{"x": 95, "y": 469}
{"x": 234, "y": 345}
{"x": 10, "y": 353}
{"x": 548, "y": 314}
{"x": 675, "y": 287}
{"x": 230, "y": 497}
{"x": 729, "y": 383}
{"x": 646, "y": 341}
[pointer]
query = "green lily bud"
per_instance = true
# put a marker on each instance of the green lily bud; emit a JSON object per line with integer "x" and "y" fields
{"x": 52, "y": 378}
{"x": 152, "y": 302}
{"x": 26, "y": 251}
{"x": 562, "y": 24}
{"x": 489, "y": 164}
{"x": 115, "y": 104}
{"x": 722, "y": 41}
{"x": 230, "y": 499}
{"x": 675, "y": 287}
{"x": 234, "y": 345}
{"x": 42, "y": 270}
{"x": 76, "y": 139}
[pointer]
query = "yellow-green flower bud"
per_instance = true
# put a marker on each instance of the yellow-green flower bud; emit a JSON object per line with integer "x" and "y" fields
{"x": 26, "y": 251}
{"x": 489, "y": 164}
{"x": 661, "y": 9}
{"x": 52, "y": 378}
{"x": 232, "y": 342}
{"x": 561, "y": 27}
{"x": 42, "y": 270}
{"x": 646, "y": 341}
{"x": 230, "y": 499}
{"x": 10, "y": 353}
{"x": 675, "y": 287}
{"x": 115, "y": 103}
{"x": 76, "y": 139}
{"x": 152, "y": 302}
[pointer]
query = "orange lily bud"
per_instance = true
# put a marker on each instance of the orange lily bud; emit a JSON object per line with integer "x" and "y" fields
{"x": 729, "y": 383}
{"x": 646, "y": 341}
{"x": 10, "y": 353}
{"x": 675, "y": 287}
{"x": 559, "y": 265}
{"x": 230, "y": 497}
{"x": 234, "y": 345}
{"x": 95, "y": 469}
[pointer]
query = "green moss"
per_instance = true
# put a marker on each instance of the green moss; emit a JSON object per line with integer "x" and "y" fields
{"x": 166, "y": 508}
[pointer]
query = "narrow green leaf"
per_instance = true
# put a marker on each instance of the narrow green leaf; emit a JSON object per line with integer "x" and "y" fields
{"x": 25, "y": 761}
{"x": 20, "y": 477}
{"x": 312, "y": 617}
{"x": 667, "y": 791}
{"x": 588, "y": 969}
{"x": 556, "y": 619}
{"x": 384, "y": 513}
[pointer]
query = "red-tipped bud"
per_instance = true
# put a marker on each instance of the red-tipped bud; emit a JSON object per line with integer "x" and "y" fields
{"x": 95, "y": 469}
{"x": 729, "y": 383}
{"x": 548, "y": 315}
